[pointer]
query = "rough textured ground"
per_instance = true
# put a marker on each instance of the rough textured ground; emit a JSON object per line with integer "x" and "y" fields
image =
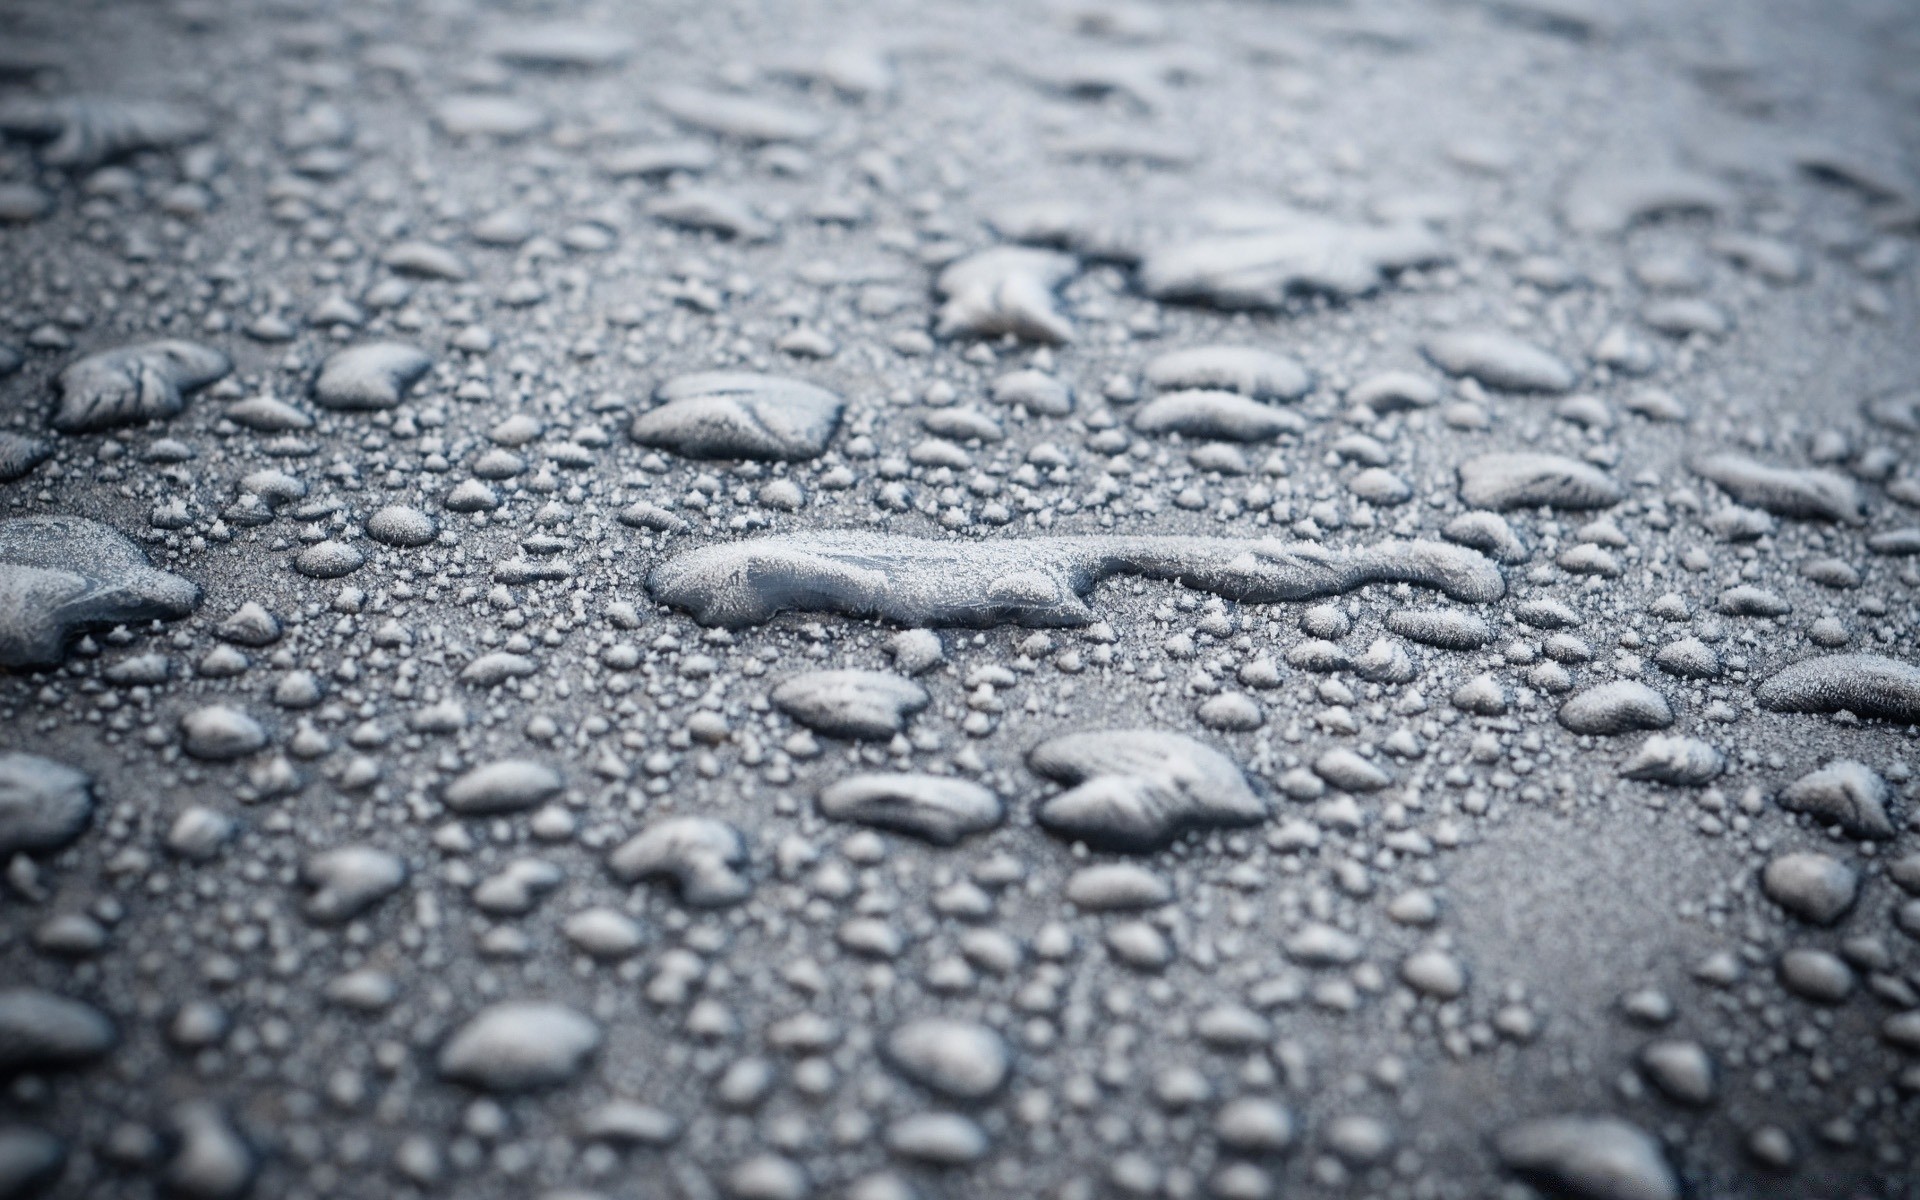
{"x": 682, "y": 600}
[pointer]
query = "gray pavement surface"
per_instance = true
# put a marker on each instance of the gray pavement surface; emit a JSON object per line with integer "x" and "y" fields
{"x": 776, "y": 600}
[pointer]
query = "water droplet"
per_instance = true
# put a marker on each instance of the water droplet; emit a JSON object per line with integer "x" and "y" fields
{"x": 1137, "y": 790}
{"x": 134, "y": 384}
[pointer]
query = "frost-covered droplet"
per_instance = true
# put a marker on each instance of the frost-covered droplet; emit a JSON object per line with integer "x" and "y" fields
{"x": 520, "y": 1045}
{"x": 711, "y": 210}
{"x": 250, "y": 625}
{"x": 425, "y": 260}
{"x": 1608, "y": 199}
{"x": 1225, "y": 416}
{"x": 1261, "y": 374}
{"x": 1117, "y": 887}
{"x": 375, "y": 375}
{"x": 212, "y": 1159}
{"x": 737, "y": 414}
{"x": 401, "y": 525}
{"x": 44, "y": 805}
{"x": 1783, "y": 491}
{"x": 1037, "y": 392}
{"x": 1682, "y": 1070}
{"x": 1866, "y": 685}
{"x": 1622, "y": 706}
{"x": 349, "y": 880}
{"x": 1689, "y": 658}
{"x": 657, "y": 159}
{"x": 1679, "y": 761}
{"x": 705, "y": 859}
{"x": 1846, "y": 793}
{"x": 1489, "y": 533}
{"x": 329, "y": 560}
{"x": 1588, "y": 1158}
{"x": 1445, "y": 628}
{"x": 939, "y": 1139}
{"x": 559, "y": 44}
{"x": 484, "y": 115}
{"x": 88, "y": 130}
{"x": 604, "y": 933}
{"x": 1349, "y": 771}
{"x": 933, "y": 808}
{"x": 1033, "y": 582}
{"x": 1138, "y": 789}
{"x": 958, "y": 1059}
{"x": 862, "y": 705}
{"x": 1507, "y": 481}
{"x": 509, "y": 785}
{"x": 1007, "y": 289}
{"x": 1230, "y": 712}
{"x": 20, "y": 454}
{"x": 134, "y": 384}
{"x": 1434, "y": 973}
{"x": 1816, "y": 975}
{"x": 31, "y": 1160}
{"x": 631, "y": 1123}
{"x": 1499, "y": 360}
{"x": 220, "y": 732}
{"x": 40, "y": 1030}
{"x": 1281, "y": 255}
{"x": 1814, "y": 887}
{"x": 735, "y": 116}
